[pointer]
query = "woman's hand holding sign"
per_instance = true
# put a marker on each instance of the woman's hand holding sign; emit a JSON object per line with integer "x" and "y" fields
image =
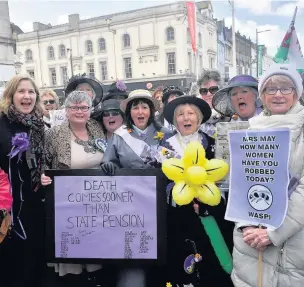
{"x": 256, "y": 238}
{"x": 45, "y": 180}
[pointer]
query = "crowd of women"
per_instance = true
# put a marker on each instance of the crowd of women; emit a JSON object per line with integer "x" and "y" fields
{"x": 104, "y": 132}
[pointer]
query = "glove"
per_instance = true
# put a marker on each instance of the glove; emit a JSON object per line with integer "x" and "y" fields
{"x": 109, "y": 168}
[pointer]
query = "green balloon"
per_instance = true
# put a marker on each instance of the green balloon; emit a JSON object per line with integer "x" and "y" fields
{"x": 218, "y": 243}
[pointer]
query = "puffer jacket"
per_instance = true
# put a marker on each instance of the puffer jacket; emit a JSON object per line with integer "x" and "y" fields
{"x": 283, "y": 261}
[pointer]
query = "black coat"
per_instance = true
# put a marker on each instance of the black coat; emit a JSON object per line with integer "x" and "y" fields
{"x": 21, "y": 260}
{"x": 184, "y": 226}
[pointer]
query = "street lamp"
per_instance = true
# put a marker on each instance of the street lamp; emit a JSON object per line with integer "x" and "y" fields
{"x": 257, "y": 49}
{"x": 108, "y": 22}
{"x": 71, "y": 61}
{"x": 233, "y": 39}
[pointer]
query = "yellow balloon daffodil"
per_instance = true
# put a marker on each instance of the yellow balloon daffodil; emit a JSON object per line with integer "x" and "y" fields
{"x": 195, "y": 176}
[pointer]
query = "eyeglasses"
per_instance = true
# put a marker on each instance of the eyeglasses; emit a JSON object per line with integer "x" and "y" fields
{"x": 76, "y": 109}
{"x": 212, "y": 90}
{"x": 51, "y": 102}
{"x": 284, "y": 91}
{"x": 112, "y": 113}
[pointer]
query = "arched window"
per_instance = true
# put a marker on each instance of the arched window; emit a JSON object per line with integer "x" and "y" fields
{"x": 29, "y": 55}
{"x": 126, "y": 40}
{"x": 102, "y": 44}
{"x": 62, "y": 51}
{"x": 51, "y": 53}
{"x": 200, "y": 44}
{"x": 89, "y": 46}
{"x": 170, "y": 34}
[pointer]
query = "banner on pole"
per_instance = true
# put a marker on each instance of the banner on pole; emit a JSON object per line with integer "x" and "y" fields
{"x": 192, "y": 23}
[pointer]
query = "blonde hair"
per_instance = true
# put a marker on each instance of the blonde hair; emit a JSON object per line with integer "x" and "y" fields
{"x": 10, "y": 90}
{"x": 197, "y": 111}
{"x": 52, "y": 93}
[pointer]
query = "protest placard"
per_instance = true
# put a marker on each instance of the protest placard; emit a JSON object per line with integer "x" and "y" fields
{"x": 102, "y": 217}
{"x": 259, "y": 177}
{"x": 57, "y": 117}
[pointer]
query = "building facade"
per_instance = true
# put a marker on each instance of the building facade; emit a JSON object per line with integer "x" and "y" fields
{"x": 150, "y": 45}
{"x": 7, "y": 43}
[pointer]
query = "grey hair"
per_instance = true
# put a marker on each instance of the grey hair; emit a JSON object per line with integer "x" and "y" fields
{"x": 199, "y": 114}
{"x": 210, "y": 75}
{"x": 77, "y": 97}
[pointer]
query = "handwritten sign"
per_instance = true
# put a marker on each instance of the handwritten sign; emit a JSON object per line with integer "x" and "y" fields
{"x": 259, "y": 177}
{"x": 57, "y": 117}
{"x": 101, "y": 217}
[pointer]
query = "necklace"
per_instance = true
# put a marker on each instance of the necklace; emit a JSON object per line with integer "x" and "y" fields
{"x": 88, "y": 146}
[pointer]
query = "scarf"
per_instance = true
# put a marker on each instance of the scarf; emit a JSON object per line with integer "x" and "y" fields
{"x": 36, "y": 134}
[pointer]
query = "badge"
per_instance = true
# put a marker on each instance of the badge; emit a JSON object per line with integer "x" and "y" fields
{"x": 101, "y": 144}
{"x": 190, "y": 262}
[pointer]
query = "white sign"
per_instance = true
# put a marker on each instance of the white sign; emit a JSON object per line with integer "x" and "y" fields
{"x": 57, "y": 117}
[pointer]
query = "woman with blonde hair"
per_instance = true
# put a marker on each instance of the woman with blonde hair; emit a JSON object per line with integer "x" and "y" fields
{"x": 49, "y": 102}
{"x": 21, "y": 149}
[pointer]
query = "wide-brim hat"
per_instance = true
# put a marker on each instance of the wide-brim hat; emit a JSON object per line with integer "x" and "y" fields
{"x": 198, "y": 102}
{"x": 117, "y": 88}
{"x": 139, "y": 94}
{"x": 83, "y": 79}
{"x": 221, "y": 100}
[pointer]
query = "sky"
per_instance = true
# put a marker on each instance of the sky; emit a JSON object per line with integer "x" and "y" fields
{"x": 249, "y": 15}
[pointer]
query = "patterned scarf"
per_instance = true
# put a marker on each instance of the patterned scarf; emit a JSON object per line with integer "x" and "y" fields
{"x": 34, "y": 154}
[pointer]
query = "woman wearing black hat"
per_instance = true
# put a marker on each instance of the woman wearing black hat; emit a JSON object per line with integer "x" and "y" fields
{"x": 169, "y": 93}
{"x": 110, "y": 116}
{"x": 118, "y": 91}
{"x": 185, "y": 232}
{"x": 86, "y": 84}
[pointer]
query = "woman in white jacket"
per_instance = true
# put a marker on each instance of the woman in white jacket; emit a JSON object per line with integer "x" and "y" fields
{"x": 283, "y": 249}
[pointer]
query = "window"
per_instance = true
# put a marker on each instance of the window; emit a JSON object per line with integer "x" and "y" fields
{"x": 62, "y": 51}
{"x": 64, "y": 75}
{"x": 200, "y": 63}
{"x": 211, "y": 63}
{"x": 51, "y": 53}
{"x": 200, "y": 44}
{"x": 171, "y": 63}
{"x": 126, "y": 41}
{"x": 91, "y": 70}
{"x": 102, "y": 44}
{"x": 31, "y": 73}
{"x": 89, "y": 47}
{"x": 194, "y": 62}
{"x": 188, "y": 36}
{"x": 29, "y": 55}
{"x": 128, "y": 67}
{"x": 170, "y": 34}
{"x": 53, "y": 76}
{"x": 226, "y": 73}
{"x": 104, "y": 71}
{"x": 190, "y": 61}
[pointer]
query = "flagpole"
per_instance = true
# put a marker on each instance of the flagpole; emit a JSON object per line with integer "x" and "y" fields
{"x": 294, "y": 16}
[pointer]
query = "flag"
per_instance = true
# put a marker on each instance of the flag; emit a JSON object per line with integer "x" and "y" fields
{"x": 290, "y": 49}
{"x": 192, "y": 23}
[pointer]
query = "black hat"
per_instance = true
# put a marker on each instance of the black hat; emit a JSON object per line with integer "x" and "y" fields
{"x": 81, "y": 79}
{"x": 116, "y": 89}
{"x": 107, "y": 105}
{"x": 198, "y": 102}
{"x": 167, "y": 91}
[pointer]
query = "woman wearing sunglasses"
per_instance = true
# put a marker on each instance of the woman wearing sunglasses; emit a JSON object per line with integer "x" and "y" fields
{"x": 49, "y": 102}
{"x": 209, "y": 83}
{"x": 110, "y": 116}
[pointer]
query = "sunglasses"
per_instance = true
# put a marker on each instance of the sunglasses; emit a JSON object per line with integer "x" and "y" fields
{"x": 112, "y": 113}
{"x": 212, "y": 90}
{"x": 49, "y": 102}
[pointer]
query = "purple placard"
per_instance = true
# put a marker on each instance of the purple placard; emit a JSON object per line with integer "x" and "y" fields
{"x": 259, "y": 177}
{"x": 105, "y": 217}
